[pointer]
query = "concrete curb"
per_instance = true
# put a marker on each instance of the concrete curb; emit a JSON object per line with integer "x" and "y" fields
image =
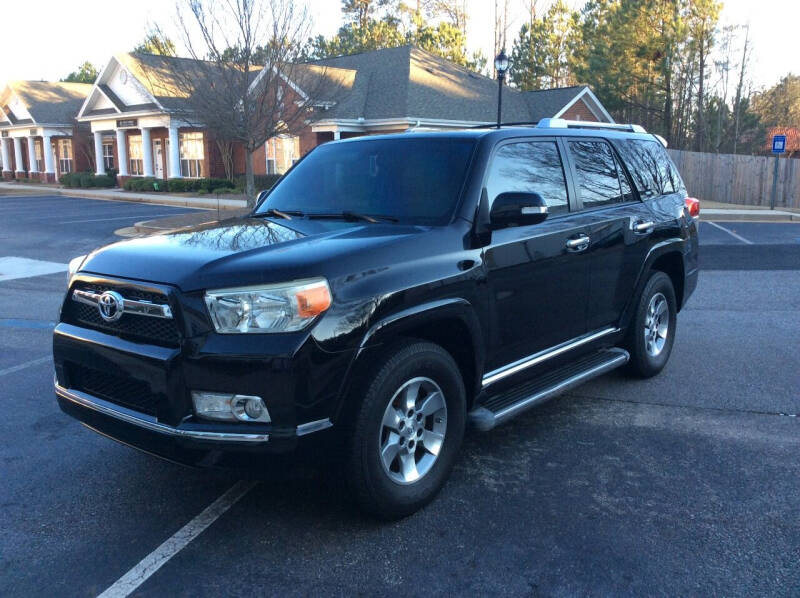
{"x": 733, "y": 215}
{"x": 205, "y": 203}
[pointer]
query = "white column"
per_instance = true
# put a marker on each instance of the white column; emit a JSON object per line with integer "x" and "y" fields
{"x": 174, "y": 156}
{"x": 100, "y": 165}
{"x": 32, "y": 156}
{"x": 147, "y": 152}
{"x": 337, "y": 135}
{"x": 122, "y": 152}
{"x": 49, "y": 158}
{"x": 6, "y": 154}
{"x": 18, "y": 154}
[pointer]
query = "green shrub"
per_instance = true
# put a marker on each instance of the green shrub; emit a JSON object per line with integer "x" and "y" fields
{"x": 196, "y": 185}
{"x": 145, "y": 184}
{"x": 216, "y": 184}
{"x": 105, "y": 181}
{"x": 260, "y": 181}
{"x": 179, "y": 185}
{"x": 66, "y": 179}
{"x": 85, "y": 180}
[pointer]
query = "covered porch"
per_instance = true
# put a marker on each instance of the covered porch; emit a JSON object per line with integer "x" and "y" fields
{"x": 39, "y": 153}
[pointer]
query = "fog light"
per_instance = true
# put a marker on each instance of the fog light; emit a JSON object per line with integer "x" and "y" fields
{"x": 229, "y": 407}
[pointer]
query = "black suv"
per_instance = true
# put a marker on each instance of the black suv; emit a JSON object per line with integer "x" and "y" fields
{"x": 384, "y": 293}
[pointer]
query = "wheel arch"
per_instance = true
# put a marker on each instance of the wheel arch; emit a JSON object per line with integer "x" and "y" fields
{"x": 664, "y": 257}
{"x": 450, "y": 323}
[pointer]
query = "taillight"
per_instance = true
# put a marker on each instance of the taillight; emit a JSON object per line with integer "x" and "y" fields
{"x": 692, "y": 206}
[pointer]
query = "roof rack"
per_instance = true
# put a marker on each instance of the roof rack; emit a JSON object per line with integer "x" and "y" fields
{"x": 560, "y": 123}
{"x": 527, "y": 123}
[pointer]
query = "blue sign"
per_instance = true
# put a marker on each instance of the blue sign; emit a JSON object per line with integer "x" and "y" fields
{"x": 779, "y": 144}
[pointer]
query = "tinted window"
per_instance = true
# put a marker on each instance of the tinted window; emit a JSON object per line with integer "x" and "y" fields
{"x": 416, "y": 180}
{"x": 652, "y": 170}
{"x": 530, "y": 167}
{"x": 597, "y": 180}
{"x": 624, "y": 182}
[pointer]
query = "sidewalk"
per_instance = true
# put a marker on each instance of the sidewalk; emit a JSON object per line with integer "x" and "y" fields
{"x": 209, "y": 202}
{"x": 714, "y": 210}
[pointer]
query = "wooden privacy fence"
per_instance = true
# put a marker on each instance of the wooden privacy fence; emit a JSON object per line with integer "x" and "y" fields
{"x": 744, "y": 180}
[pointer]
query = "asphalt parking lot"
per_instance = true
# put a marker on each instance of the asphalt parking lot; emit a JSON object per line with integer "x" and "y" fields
{"x": 684, "y": 484}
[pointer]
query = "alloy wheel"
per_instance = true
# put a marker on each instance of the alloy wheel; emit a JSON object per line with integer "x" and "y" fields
{"x": 413, "y": 430}
{"x": 656, "y": 324}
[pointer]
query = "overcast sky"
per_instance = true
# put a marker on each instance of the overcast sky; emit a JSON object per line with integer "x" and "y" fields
{"x": 65, "y": 33}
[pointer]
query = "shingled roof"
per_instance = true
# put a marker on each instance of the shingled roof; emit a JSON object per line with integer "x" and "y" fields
{"x": 162, "y": 76}
{"x": 48, "y": 103}
{"x": 409, "y": 82}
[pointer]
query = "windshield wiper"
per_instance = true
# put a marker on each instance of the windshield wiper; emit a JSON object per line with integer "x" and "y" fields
{"x": 285, "y": 214}
{"x": 348, "y": 215}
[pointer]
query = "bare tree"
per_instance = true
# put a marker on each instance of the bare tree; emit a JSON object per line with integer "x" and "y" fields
{"x": 747, "y": 50}
{"x": 244, "y": 82}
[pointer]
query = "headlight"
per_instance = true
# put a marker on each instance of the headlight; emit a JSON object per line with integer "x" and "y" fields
{"x": 271, "y": 308}
{"x": 74, "y": 265}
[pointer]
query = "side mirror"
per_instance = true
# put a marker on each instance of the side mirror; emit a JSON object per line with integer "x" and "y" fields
{"x": 261, "y": 196}
{"x": 517, "y": 209}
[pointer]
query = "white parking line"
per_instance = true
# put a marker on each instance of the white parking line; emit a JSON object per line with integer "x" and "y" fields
{"x": 12, "y": 267}
{"x": 730, "y": 232}
{"x": 128, "y": 583}
{"x": 132, "y": 217}
{"x": 22, "y": 366}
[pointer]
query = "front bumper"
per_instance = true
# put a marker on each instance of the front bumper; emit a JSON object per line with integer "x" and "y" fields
{"x": 191, "y": 444}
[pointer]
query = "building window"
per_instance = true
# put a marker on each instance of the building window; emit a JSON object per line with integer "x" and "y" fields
{"x": 191, "y": 146}
{"x": 282, "y": 153}
{"x": 136, "y": 160}
{"x": 64, "y": 155}
{"x": 37, "y": 154}
{"x": 108, "y": 154}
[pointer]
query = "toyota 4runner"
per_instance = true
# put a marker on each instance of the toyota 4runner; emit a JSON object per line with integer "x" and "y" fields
{"x": 385, "y": 293}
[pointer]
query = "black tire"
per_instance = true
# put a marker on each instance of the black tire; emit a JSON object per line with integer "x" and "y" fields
{"x": 366, "y": 475}
{"x": 643, "y": 363}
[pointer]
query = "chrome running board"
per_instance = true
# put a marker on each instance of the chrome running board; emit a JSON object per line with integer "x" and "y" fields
{"x": 501, "y": 407}
{"x": 541, "y": 356}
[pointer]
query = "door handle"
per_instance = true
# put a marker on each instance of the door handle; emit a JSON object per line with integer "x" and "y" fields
{"x": 643, "y": 226}
{"x": 579, "y": 243}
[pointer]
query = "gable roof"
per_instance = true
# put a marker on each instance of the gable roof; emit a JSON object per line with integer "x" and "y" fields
{"x": 392, "y": 83}
{"x": 51, "y": 103}
{"x": 160, "y": 79}
{"x": 406, "y": 82}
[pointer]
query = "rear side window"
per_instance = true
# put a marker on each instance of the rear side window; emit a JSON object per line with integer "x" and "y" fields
{"x": 597, "y": 177}
{"x": 529, "y": 167}
{"x": 652, "y": 170}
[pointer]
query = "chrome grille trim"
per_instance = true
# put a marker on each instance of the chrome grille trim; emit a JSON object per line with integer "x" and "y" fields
{"x": 129, "y": 306}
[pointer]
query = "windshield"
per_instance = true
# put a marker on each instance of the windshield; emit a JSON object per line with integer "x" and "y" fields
{"x": 411, "y": 180}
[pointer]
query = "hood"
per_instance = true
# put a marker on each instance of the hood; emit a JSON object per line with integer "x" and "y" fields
{"x": 245, "y": 251}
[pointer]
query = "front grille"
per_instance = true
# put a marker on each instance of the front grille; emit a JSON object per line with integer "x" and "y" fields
{"x": 159, "y": 331}
{"x": 124, "y": 391}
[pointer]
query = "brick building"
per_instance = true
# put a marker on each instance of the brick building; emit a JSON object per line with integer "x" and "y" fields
{"x": 132, "y": 112}
{"x": 396, "y": 89}
{"x": 39, "y": 136}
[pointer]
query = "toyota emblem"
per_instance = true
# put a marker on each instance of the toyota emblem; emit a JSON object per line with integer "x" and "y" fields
{"x": 110, "y": 305}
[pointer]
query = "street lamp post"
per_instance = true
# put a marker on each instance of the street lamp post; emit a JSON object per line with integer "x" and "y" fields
{"x": 501, "y": 66}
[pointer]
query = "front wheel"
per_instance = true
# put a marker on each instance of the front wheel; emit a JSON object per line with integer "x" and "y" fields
{"x": 407, "y": 430}
{"x": 652, "y": 331}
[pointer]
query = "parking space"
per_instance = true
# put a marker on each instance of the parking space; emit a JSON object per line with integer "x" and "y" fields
{"x": 687, "y": 483}
{"x": 749, "y": 233}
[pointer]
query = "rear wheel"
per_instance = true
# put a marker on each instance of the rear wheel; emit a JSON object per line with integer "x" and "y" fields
{"x": 407, "y": 430}
{"x": 652, "y": 332}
